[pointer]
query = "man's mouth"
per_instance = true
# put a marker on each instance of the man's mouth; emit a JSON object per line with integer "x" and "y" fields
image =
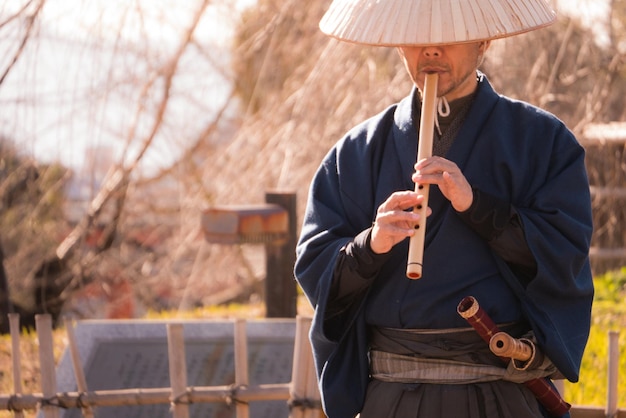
{"x": 432, "y": 70}
{"x": 430, "y": 67}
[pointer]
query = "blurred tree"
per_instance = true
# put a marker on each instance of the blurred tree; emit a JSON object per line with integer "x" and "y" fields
{"x": 27, "y": 14}
{"x": 31, "y": 219}
{"x": 561, "y": 68}
{"x": 617, "y": 47}
{"x": 274, "y": 40}
{"x": 93, "y": 247}
{"x": 617, "y": 25}
{"x": 298, "y": 92}
{"x": 564, "y": 70}
{"x": 6, "y": 306}
{"x": 277, "y": 46}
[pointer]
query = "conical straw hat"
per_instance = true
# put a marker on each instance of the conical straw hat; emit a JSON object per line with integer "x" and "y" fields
{"x": 429, "y": 22}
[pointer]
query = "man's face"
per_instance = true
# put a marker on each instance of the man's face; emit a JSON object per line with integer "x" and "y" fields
{"x": 456, "y": 65}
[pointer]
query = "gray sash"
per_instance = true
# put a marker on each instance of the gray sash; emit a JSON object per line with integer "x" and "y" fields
{"x": 444, "y": 357}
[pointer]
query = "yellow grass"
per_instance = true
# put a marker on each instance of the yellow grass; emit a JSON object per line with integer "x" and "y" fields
{"x": 592, "y": 388}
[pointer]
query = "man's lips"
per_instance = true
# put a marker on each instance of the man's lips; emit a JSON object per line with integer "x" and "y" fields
{"x": 432, "y": 70}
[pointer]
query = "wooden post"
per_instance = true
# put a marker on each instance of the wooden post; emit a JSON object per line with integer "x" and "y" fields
{"x": 560, "y": 386}
{"x": 613, "y": 372}
{"x": 304, "y": 392}
{"x": 241, "y": 365}
{"x": 81, "y": 382}
{"x": 43, "y": 325}
{"x": 312, "y": 391}
{"x": 280, "y": 284}
{"x": 178, "y": 370}
{"x": 298, "y": 374}
{"x": 14, "y": 326}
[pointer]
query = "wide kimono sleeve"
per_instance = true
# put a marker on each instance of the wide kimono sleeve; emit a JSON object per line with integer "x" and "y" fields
{"x": 554, "y": 206}
{"x": 326, "y": 229}
{"x": 341, "y": 204}
{"x": 322, "y": 237}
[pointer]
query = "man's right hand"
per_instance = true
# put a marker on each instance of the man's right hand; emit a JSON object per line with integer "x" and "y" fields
{"x": 394, "y": 222}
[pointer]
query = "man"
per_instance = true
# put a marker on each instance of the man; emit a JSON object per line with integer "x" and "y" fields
{"x": 509, "y": 224}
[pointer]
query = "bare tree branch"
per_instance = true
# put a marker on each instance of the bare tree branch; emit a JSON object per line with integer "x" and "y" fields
{"x": 31, "y": 21}
{"x": 119, "y": 176}
{"x": 17, "y": 14}
{"x": 168, "y": 72}
{"x": 556, "y": 67}
{"x": 597, "y": 99}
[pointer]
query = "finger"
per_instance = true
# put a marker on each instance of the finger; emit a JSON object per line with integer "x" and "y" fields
{"x": 396, "y": 219}
{"x": 448, "y": 179}
{"x": 424, "y": 177}
{"x": 435, "y": 165}
{"x": 386, "y": 236}
{"x": 430, "y": 162}
{"x": 400, "y": 201}
{"x": 395, "y": 232}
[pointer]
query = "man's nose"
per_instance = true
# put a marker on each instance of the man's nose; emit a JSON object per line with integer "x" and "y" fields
{"x": 432, "y": 52}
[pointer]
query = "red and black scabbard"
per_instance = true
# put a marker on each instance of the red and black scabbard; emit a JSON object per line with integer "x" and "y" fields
{"x": 545, "y": 393}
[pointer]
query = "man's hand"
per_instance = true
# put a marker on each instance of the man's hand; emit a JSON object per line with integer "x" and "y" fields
{"x": 393, "y": 222}
{"x": 448, "y": 177}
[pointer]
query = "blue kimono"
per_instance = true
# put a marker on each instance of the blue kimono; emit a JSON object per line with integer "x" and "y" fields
{"x": 505, "y": 148}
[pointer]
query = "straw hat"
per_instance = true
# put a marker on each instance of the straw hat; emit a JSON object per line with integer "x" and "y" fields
{"x": 428, "y": 22}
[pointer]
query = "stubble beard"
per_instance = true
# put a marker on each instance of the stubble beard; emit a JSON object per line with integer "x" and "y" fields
{"x": 456, "y": 83}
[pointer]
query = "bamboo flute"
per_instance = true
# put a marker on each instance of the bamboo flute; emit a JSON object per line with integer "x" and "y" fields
{"x": 503, "y": 345}
{"x": 424, "y": 150}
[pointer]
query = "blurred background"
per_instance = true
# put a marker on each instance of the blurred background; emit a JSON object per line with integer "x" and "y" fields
{"x": 122, "y": 120}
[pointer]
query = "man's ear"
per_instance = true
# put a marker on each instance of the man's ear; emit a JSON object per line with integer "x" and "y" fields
{"x": 482, "y": 48}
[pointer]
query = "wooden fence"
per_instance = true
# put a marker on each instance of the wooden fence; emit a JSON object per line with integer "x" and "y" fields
{"x": 611, "y": 410}
{"x": 301, "y": 393}
{"x": 605, "y": 145}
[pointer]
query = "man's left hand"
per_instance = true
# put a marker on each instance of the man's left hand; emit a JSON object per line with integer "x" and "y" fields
{"x": 448, "y": 177}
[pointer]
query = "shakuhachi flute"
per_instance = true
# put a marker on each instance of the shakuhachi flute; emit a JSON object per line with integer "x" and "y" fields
{"x": 424, "y": 150}
{"x": 503, "y": 345}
